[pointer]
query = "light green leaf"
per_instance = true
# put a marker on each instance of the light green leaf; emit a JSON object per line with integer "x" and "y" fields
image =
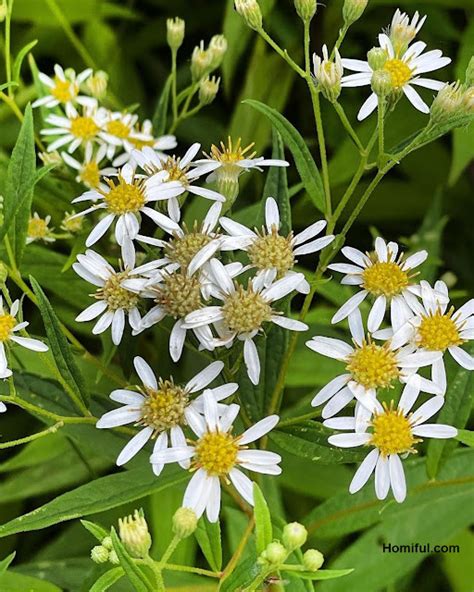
{"x": 305, "y": 164}
{"x": 15, "y": 582}
{"x": 7, "y": 85}
{"x": 160, "y": 116}
{"x": 107, "y": 579}
{"x": 208, "y": 536}
{"x": 137, "y": 578}
{"x": 96, "y": 530}
{"x": 241, "y": 576}
{"x": 5, "y": 563}
{"x": 19, "y": 59}
{"x": 263, "y": 521}
{"x": 321, "y": 574}
{"x": 466, "y": 437}
{"x": 37, "y": 452}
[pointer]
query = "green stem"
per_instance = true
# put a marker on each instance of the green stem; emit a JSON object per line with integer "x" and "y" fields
{"x": 340, "y": 39}
{"x": 45, "y": 413}
{"x": 283, "y": 53}
{"x": 322, "y": 145}
{"x": 307, "y": 41}
{"x": 346, "y": 123}
{"x": 300, "y": 418}
{"x": 240, "y": 549}
{"x": 381, "y": 126}
{"x": 8, "y": 57}
{"x": 174, "y": 54}
{"x": 53, "y": 429}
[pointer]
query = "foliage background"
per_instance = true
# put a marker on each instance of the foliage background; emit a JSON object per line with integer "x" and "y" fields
{"x": 426, "y": 202}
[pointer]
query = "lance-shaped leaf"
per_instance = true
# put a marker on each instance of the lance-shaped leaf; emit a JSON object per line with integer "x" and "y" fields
{"x": 263, "y": 522}
{"x": 160, "y": 117}
{"x": 208, "y": 536}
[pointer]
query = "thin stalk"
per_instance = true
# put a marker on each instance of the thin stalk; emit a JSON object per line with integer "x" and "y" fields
{"x": 340, "y": 39}
{"x": 240, "y": 549}
{"x": 347, "y": 125}
{"x": 8, "y": 57}
{"x": 283, "y": 53}
{"x": 45, "y": 413}
{"x": 174, "y": 54}
{"x": 307, "y": 41}
{"x": 381, "y": 126}
{"x": 53, "y": 429}
{"x": 297, "y": 420}
{"x": 322, "y": 144}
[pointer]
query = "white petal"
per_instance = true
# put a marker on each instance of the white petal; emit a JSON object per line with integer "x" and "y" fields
{"x": 368, "y": 107}
{"x": 381, "y": 249}
{"x": 258, "y": 430}
{"x": 338, "y": 402}
{"x": 214, "y": 500}
{"x": 211, "y": 413}
{"x": 118, "y": 325}
{"x": 364, "y": 472}
{"x": 340, "y": 423}
{"x": 349, "y": 440}
{"x": 205, "y": 377}
{"x": 252, "y": 361}
{"x": 92, "y": 311}
{"x": 314, "y": 246}
{"x": 377, "y": 313}
{"x": 170, "y": 455}
{"x": 349, "y": 306}
{"x": 415, "y": 99}
{"x": 356, "y": 327}
{"x": 177, "y": 338}
{"x": 291, "y": 324}
{"x": 462, "y": 357}
{"x": 145, "y": 373}
{"x": 416, "y": 259}
{"x": 243, "y": 484}
{"x": 435, "y": 430}
{"x": 397, "y": 478}
{"x": 99, "y": 230}
{"x": 119, "y": 417}
{"x": 33, "y": 344}
{"x": 382, "y": 478}
{"x": 356, "y": 256}
{"x": 427, "y": 410}
{"x": 330, "y": 347}
{"x": 283, "y": 287}
{"x": 334, "y": 386}
{"x": 310, "y": 232}
{"x": 272, "y": 215}
{"x": 134, "y": 446}
{"x": 258, "y": 457}
{"x": 127, "y": 397}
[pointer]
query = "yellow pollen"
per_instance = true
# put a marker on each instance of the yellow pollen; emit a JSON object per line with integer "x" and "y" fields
{"x": 272, "y": 251}
{"x": 175, "y": 171}
{"x": 216, "y": 453}
{"x": 90, "y": 175}
{"x": 64, "y": 90}
{"x": 399, "y": 71}
{"x": 392, "y": 433}
{"x": 84, "y": 128}
{"x": 164, "y": 408}
{"x": 115, "y": 295}
{"x": 7, "y": 322}
{"x": 245, "y": 310}
{"x": 231, "y": 153}
{"x": 384, "y": 278}
{"x": 38, "y": 228}
{"x": 182, "y": 249}
{"x": 118, "y": 129}
{"x": 373, "y": 366}
{"x": 179, "y": 295}
{"x": 438, "y": 331}
{"x": 124, "y": 197}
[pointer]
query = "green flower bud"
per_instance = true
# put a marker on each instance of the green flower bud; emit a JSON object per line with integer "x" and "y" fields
{"x": 381, "y": 83}
{"x": 468, "y": 100}
{"x": 218, "y": 47}
{"x": 313, "y": 559}
{"x": 250, "y": 11}
{"x": 201, "y": 62}
{"x": 328, "y": 74}
{"x": 306, "y": 9}
{"x": 134, "y": 534}
{"x": 97, "y": 84}
{"x": 470, "y": 72}
{"x": 113, "y": 558}
{"x": 175, "y": 33}
{"x": 99, "y": 554}
{"x": 448, "y": 103}
{"x": 184, "y": 522}
{"x": 377, "y": 57}
{"x": 276, "y": 553}
{"x": 294, "y": 535}
{"x": 208, "y": 89}
{"x": 107, "y": 543}
{"x": 353, "y": 10}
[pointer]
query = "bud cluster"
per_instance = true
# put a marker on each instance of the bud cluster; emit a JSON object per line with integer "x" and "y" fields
{"x": 206, "y": 60}
{"x": 104, "y": 552}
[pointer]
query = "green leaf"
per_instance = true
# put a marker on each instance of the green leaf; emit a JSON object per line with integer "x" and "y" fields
{"x": 60, "y": 347}
{"x": 96, "y": 530}
{"x": 241, "y": 576}
{"x": 305, "y": 164}
{"x": 5, "y": 563}
{"x": 7, "y": 85}
{"x": 15, "y": 582}
{"x": 321, "y": 574}
{"x": 160, "y": 117}
{"x": 107, "y": 580}
{"x": 19, "y": 59}
{"x": 263, "y": 521}
{"x": 37, "y": 452}
{"x": 455, "y": 411}
{"x": 466, "y": 437}
{"x": 137, "y": 578}
{"x": 208, "y": 536}
{"x": 97, "y": 496}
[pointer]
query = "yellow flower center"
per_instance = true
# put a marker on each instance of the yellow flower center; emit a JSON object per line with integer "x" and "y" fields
{"x": 64, "y": 90}
{"x": 7, "y": 322}
{"x": 84, "y": 128}
{"x": 118, "y": 129}
{"x": 37, "y": 228}
{"x": 438, "y": 331}
{"x": 216, "y": 453}
{"x": 115, "y": 295}
{"x": 373, "y": 366}
{"x": 392, "y": 433}
{"x": 139, "y": 143}
{"x": 179, "y": 295}
{"x": 164, "y": 408}
{"x": 231, "y": 153}
{"x": 399, "y": 71}
{"x": 175, "y": 171}
{"x": 384, "y": 278}
{"x": 124, "y": 197}
{"x": 245, "y": 310}
{"x": 182, "y": 249}
{"x": 272, "y": 251}
{"x": 89, "y": 174}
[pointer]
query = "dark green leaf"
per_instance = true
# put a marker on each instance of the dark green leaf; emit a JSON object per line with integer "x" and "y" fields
{"x": 96, "y": 530}
{"x": 241, "y": 576}
{"x": 160, "y": 116}
{"x": 19, "y": 59}
{"x": 263, "y": 521}
{"x": 208, "y": 536}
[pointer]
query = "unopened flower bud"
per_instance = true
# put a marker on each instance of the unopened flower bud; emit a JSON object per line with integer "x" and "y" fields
{"x": 97, "y": 84}
{"x": 306, "y": 9}
{"x": 250, "y": 11}
{"x": 50, "y": 157}
{"x": 328, "y": 74}
{"x": 470, "y": 73}
{"x": 468, "y": 100}
{"x": 113, "y": 558}
{"x": 447, "y": 103}
{"x": 377, "y": 57}
{"x": 184, "y": 522}
{"x": 134, "y": 534}
{"x": 99, "y": 554}
{"x": 107, "y": 543}
{"x": 208, "y": 89}
{"x": 175, "y": 33}
{"x": 294, "y": 535}
{"x": 275, "y": 553}
{"x": 402, "y": 30}
{"x": 3, "y": 10}
{"x": 381, "y": 83}
{"x": 201, "y": 61}
{"x": 353, "y": 10}
{"x": 217, "y": 47}
{"x": 313, "y": 559}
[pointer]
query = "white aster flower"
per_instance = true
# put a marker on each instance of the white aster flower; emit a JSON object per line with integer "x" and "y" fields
{"x": 402, "y": 31}
{"x": 272, "y": 254}
{"x": 219, "y": 455}
{"x": 369, "y": 367}
{"x": 394, "y": 432}
{"x": 142, "y": 136}
{"x": 386, "y": 275}
{"x": 124, "y": 198}
{"x": 8, "y": 329}
{"x": 115, "y": 304}
{"x": 244, "y": 311}
{"x": 328, "y": 73}
{"x": 404, "y": 70}
{"x": 162, "y": 409}
{"x": 74, "y": 129}
{"x": 89, "y": 171}
{"x": 39, "y": 230}
{"x": 64, "y": 88}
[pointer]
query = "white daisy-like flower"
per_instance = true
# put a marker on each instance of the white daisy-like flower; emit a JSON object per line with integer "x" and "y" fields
{"x": 404, "y": 70}
{"x": 116, "y": 128}
{"x": 328, "y": 73}
{"x": 272, "y": 254}
{"x": 39, "y": 230}
{"x": 244, "y": 311}
{"x": 385, "y": 274}
{"x": 162, "y": 409}
{"x": 75, "y": 129}
{"x": 64, "y": 88}
{"x": 115, "y": 304}
{"x": 219, "y": 455}
{"x": 437, "y": 329}
{"x": 369, "y": 367}
{"x": 142, "y": 136}
{"x": 8, "y": 329}
{"x": 125, "y": 197}
{"x": 89, "y": 171}
{"x": 394, "y": 432}
{"x": 180, "y": 170}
